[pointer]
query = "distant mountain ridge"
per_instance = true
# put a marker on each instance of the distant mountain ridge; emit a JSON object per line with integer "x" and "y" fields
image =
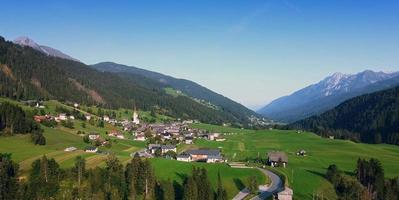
{"x": 188, "y": 87}
{"x": 25, "y": 41}
{"x": 326, "y": 94}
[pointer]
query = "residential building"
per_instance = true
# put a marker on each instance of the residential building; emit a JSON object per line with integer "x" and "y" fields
{"x": 166, "y": 148}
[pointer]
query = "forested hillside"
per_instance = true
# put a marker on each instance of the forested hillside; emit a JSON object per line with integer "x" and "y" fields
{"x": 28, "y": 74}
{"x": 371, "y": 118}
{"x": 188, "y": 87}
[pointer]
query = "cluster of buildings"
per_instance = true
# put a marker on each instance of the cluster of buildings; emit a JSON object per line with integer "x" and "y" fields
{"x": 176, "y": 131}
{"x": 58, "y": 118}
{"x": 194, "y": 155}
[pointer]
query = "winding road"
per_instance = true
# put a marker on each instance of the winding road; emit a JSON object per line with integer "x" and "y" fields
{"x": 276, "y": 186}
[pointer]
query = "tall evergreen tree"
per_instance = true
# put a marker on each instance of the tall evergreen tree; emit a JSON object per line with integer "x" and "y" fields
{"x": 221, "y": 193}
{"x": 190, "y": 189}
{"x": 80, "y": 169}
{"x": 8, "y": 177}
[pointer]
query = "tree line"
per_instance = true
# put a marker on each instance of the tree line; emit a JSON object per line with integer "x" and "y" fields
{"x": 367, "y": 183}
{"x": 136, "y": 180}
{"x": 14, "y": 120}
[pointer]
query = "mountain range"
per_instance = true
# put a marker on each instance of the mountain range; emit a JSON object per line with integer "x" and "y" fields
{"x": 328, "y": 93}
{"x": 40, "y": 73}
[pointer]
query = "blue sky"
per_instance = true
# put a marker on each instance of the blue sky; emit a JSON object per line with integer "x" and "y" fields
{"x": 252, "y": 51}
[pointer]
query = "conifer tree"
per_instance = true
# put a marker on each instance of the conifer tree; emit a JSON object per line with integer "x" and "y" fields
{"x": 190, "y": 189}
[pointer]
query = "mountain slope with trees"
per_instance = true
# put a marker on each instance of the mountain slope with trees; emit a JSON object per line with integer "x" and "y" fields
{"x": 188, "y": 87}
{"x": 371, "y": 118}
{"x": 29, "y": 74}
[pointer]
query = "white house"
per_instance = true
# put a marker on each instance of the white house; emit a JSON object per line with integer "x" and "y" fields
{"x": 105, "y": 118}
{"x": 188, "y": 140}
{"x": 166, "y": 148}
{"x": 88, "y": 117}
{"x": 75, "y": 105}
{"x": 94, "y": 136}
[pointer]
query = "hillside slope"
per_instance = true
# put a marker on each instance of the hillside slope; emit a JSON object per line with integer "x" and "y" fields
{"x": 29, "y": 74}
{"x": 189, "y": 88}
{"x": 327, "y": 94}
{"x": 371, "y": 118}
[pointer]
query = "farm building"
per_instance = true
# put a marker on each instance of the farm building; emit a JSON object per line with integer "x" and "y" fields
{"x": 202, "y": 155}
{"x": 277, "y": 157}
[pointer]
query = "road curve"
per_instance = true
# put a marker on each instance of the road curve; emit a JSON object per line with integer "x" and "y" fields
{"x": 275, "y": 186}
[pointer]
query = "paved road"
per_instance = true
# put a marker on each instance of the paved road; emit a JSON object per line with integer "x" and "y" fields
{"x": 242, "y": 194}
{"x": 276, "y": 186}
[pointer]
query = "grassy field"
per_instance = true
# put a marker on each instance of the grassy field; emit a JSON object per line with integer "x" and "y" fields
{"x": 305, "y": 174}
{"x": 233, "y": 179}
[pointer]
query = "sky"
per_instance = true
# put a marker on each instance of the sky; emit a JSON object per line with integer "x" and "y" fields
{"x": 252, "y": 51}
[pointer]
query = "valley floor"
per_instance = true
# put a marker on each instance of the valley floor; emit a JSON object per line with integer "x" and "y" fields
{"x": 304, "y": 174}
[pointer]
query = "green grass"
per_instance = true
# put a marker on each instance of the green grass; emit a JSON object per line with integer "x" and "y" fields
{"x": 233, "y": 179}
{"x": 305, "y": 174}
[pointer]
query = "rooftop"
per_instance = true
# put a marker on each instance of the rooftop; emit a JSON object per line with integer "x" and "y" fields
{"x": 277, "y": 156}
{"x": 208, "y": 152}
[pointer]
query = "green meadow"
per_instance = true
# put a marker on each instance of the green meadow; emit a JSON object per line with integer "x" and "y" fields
{"x": 305, "y": 174}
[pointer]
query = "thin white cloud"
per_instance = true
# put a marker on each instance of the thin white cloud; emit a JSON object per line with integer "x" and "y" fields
{"x": 246, "y": 20}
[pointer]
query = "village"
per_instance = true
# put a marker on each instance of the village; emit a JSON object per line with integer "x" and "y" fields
{"x": 161, "y": 139}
